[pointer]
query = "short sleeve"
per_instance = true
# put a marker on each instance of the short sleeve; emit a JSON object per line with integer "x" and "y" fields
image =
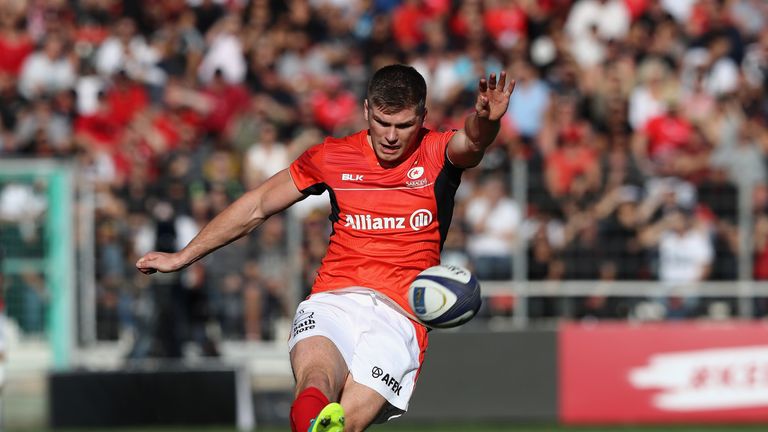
{"x": 307, "y": 171}
{"x": 438, "y": 145}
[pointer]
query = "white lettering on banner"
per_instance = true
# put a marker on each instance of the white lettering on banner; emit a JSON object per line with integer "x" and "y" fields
{"x": 712, "y": 379}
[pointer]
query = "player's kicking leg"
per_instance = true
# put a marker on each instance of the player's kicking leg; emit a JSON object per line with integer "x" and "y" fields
{"x": 320, "y": 373}
{"x": 325, "y": 345}
{"x": 363, "y": 404}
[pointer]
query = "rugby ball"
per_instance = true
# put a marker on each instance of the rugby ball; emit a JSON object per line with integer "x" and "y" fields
{"x": 444, "y": 296}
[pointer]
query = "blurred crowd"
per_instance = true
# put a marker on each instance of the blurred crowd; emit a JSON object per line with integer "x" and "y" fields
{"x": 640, "y": 123}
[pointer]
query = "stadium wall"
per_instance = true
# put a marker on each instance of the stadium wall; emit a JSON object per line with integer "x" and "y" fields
{"x": 598, "y": 373}
{"x": 473, "y": 376}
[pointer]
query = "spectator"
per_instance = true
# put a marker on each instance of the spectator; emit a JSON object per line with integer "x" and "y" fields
{"x": 545, "y": 237}
{"x": 720, "y": 71}
{"x": 748, "y": 15}
{"x": 47, "y": 71}
{"x": 128, "y": 51}
{"x": 439, "y": 67}
{"x": 494, "y": 221}
{"x": 302, "y": 66}
{"x": 685, "y": 257}
{"x": 743, "y": 157}
{"x": 182, "y": 47}
{"x": 544, "y": 263}
{"x": 610, "y": 19}
{"x": 505, "y": 21}
{"x": 680, "y": 9}
{"x": 224, "y": 57}
{"x": 581, "y": 255}
{"x": 15, "y": 44}
{"x": 571, "y": 159}
{"x": 718, "y": 195}
{"x": 698, "y": 103}
{"x": 265, "y": 295}
{"x": 110, "y": 272}
{"x": 222, "y": 100}
{"x": 529, "y": 102}
{"x": 333, "y": 106}
{"x": 207, "y": 13}
{"x": 663, "y": 139}
{"x": 316, "y": 230}
{"x": 755, "y": 64}
{"x": 618, "y": 165}
{"x": 42, "y": 132}
{"x": 265, "y": 157}
{"x": 125, "y": 98}
{"x": 648, "y": 98}
{"x": 621, "y": 217}
{"x": 408, "y": 20}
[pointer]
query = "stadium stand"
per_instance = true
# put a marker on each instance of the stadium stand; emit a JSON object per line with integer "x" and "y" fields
{"x": 641, "y": 125}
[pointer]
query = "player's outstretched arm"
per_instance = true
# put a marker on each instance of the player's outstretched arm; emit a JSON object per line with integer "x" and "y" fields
{"x": 237, "y": 220}
{"x": 467, "y": 146}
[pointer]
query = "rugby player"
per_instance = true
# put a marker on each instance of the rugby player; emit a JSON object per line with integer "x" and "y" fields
{"x": 355, "y": 348}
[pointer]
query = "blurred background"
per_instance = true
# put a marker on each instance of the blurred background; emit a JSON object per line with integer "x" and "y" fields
{"x": 619, "y": 223}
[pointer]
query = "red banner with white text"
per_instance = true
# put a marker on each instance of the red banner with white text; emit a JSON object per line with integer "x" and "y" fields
{"x": 663, "y": 373}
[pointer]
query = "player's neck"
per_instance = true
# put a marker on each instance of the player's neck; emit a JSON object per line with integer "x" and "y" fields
{"x": 394, "y": 163}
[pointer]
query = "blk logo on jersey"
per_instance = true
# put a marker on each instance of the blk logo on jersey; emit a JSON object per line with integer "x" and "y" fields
{"x": 366, "y": 222}
{"x": 352, "y": 177}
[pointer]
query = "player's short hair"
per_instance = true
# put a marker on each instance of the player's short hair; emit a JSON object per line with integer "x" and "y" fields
{"x": 397, "y": 87}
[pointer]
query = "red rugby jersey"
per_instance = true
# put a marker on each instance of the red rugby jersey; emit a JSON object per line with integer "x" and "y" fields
{"x": 388, "y": 223}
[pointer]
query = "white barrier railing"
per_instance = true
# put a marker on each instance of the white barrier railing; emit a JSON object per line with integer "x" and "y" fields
{"x": 742, "y": 291}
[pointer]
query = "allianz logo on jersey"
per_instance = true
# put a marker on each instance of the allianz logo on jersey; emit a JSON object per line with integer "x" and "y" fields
{"x": 418, "y": 220}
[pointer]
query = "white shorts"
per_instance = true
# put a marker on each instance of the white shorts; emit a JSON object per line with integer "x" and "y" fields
{"x": 379, "y": 344}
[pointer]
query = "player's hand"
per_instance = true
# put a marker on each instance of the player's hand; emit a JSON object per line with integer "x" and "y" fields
{"x": 492, "y": 97}
{"x": 159, "y": 262}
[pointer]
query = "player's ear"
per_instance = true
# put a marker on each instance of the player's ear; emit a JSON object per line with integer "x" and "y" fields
{"x": 365, "y": 109}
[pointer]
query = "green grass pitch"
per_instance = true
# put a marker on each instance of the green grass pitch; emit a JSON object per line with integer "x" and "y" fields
{"x": 474, "y": 428}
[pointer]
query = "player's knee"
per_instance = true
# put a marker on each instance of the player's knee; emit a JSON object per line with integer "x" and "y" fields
{"x": 319, "y": 379}
{"x": 317, "y": 363}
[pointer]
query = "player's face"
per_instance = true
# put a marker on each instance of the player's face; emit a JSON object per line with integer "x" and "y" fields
{"x": 394, "y": 135}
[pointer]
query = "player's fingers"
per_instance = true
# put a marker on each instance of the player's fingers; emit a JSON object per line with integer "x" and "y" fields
{"x": 145, "y": 263}
{"x": 492, "y": 81}
{"x": 483, "y": 85}
{"x": 511, "y": 87}
{"x": 482, "y": 103}
{"x": 502, "y": 80}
